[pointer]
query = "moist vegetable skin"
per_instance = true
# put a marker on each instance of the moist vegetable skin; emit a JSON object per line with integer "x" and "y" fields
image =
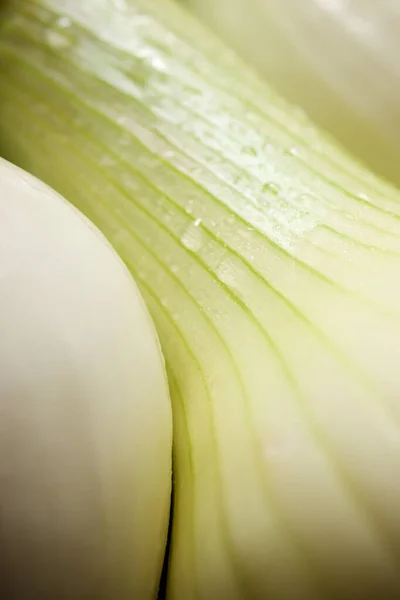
{"x": 336, "y": 59}
{"x": 270, "y": 263}
{"x": 86, "y": 427}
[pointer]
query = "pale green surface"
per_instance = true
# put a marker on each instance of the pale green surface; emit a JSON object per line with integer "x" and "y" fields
{"x": 271, "y": 265}
{"x": 337, "y": 59}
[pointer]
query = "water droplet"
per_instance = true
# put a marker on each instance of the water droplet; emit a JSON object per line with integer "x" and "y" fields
{"x": 250, "y": 150}
{"x": 363, "y": 196}
{"x": 158, "y": 64}
{"x": 197, "y": 222}
{"x": 58, "y": 35}
{"x": 245, "y": 233}
{"x": 271, "y": 188}
{"x": 192, "y": 238}
{"x": 174, "y": 268}
{"x": 226, "y": 273}
{"x": 306, "y": 201}
{"x": 294, "y": 151}
{"x": 58, "y": 41}
{"x": 63, "y": 22}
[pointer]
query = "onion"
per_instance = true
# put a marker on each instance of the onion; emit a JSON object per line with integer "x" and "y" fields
{"x": 337, "y": 59}
{"x": 270, "y": 262}
{"x": 85, "y": 433}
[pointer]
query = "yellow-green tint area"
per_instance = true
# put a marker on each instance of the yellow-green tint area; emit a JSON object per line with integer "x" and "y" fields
{"x": 270, "y": 263}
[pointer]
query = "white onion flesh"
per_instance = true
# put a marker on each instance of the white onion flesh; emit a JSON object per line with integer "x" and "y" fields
{"x": 85, "y": 423}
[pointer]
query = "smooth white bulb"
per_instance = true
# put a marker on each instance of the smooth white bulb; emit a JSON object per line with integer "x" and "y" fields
{"x": 85, "y": 418}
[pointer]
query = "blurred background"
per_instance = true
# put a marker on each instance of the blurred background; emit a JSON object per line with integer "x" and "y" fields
{"x": 336, "y": 59}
